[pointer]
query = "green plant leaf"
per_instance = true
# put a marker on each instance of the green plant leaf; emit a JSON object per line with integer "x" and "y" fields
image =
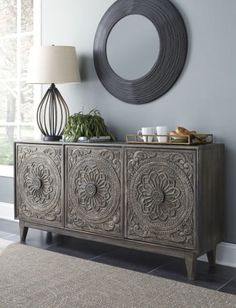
{"x": 88, "y": 125}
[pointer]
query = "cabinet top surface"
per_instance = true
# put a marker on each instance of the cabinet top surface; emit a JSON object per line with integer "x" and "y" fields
{"x": 121, "y": 144}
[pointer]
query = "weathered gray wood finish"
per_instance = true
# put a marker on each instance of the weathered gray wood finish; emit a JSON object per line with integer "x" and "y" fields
{"x": 163, "y": 199}
{"x": 94, "y": 193}
{"x": 160, "y": 203}
{"x": 39, "y": 193}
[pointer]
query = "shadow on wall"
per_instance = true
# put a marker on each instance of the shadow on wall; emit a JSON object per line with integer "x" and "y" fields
{"x": 86, "y": 67}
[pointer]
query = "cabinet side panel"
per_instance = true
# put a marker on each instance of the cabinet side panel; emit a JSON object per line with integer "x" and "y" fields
{"x": 211, "y": 196}
{"x": 16, "y": 210}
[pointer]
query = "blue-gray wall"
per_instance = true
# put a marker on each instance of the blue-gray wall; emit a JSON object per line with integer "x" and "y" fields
{"x": 204, "y": 98}
{"x": 6, "y": 190}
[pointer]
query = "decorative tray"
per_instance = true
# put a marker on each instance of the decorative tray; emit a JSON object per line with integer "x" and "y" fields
{"x": 170, "y": 139}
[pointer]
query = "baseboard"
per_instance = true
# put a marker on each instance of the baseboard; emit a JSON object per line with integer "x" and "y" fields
{"x": 7, "y": 210}
{"x": 225, "y": 254}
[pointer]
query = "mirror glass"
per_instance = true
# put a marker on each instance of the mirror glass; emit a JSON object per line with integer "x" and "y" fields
{"x": 133, "y": 47}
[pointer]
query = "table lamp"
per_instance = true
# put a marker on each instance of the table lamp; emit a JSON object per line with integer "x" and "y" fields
{"x": 53, "y": 65}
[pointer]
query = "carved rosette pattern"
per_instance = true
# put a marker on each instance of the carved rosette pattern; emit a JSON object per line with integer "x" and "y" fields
{"x": 38, "y": 184}
{"x": 160, "y": 197}
{"x": 94, "y": 190}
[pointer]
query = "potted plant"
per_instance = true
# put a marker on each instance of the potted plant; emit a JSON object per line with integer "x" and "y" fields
{"x": 86, "y": 125}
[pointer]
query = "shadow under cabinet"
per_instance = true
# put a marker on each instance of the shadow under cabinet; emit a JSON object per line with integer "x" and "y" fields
{"x": 157, "y": 198}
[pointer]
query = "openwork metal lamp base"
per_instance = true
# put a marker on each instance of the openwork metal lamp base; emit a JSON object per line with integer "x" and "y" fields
{"x": 52, "y": 114}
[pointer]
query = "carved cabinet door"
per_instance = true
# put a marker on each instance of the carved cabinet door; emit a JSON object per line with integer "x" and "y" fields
{"x": 94, "y": 190}
{"x": 160, "y": 196}
{"x": 38, "y": 186}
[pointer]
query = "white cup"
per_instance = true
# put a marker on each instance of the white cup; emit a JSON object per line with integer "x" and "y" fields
{"x": 147, "y": 131}
{"x": 162, "y": 130}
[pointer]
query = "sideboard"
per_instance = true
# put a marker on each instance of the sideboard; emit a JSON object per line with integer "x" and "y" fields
{"x": 158, "y": 198}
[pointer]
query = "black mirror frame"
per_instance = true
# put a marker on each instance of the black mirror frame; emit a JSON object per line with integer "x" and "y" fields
{"x": 172, "y": 56}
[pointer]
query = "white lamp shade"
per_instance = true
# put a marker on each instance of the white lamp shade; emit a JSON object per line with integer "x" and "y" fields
{"x": 53, "y": 64}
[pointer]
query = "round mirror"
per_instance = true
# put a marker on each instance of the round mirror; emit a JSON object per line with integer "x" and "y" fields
{"x": 140, "y": 49}
{"x": 133, "y": 47}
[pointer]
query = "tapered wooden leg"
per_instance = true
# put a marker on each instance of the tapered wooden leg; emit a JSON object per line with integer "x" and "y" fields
{"x": 49, "y": 238}
{"x": 23, "y": 232}
{"x": 191, "y": 263}
{"x": 211, "y": 256}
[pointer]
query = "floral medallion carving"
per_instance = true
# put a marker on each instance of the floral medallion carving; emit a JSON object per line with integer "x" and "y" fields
{"x": 93, "y": 190}
{"x": 160, "y": 197}
{"x": 94, "y": 193}
{"x": 39, "y": 183}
